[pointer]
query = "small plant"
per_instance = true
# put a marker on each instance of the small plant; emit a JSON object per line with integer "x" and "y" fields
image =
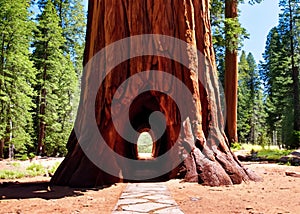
{"x": 9, "y": 174}
{"x": 16, "y": 164}
{"x": 273, "y": 154}
{"x": 54, "y": 168}
{"x": 22, "y": 157}
{"x": 35, "y": 169}
{"x": 236, "y": 146}
{"x": 31, "y": 155}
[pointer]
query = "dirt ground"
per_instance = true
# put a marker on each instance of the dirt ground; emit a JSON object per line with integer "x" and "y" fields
{"x": 278, "y": 193}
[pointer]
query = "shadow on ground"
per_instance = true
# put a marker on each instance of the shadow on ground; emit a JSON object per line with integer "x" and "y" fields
{"x": 41, "y": 190}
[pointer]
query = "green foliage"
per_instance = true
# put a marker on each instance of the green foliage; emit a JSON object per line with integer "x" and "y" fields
{"x": 35, "y": 170}
{"x": 31, "y": 171}
{"x": 56, "y": 85}
{"x": 9, "y": 174}
{"x": 17, "y": 169}
{"x": 54, "y": 168}
{"x": 21, "y": 157}
{"x": 251, "y": 112}
{"x": 236, "y": 146}
{"x": 16, "y": 164}
{"x": 234, "y": 33}
{"x": 276, "y": 72}
{"x": 31, "y": 155}
{"x": 52, "y": 64}
{"x": 273, "y": 154}
{"x": 226, "y": 32}
{"x": 217, "y": 8}
{"x": 17, "y": 75}
{"x": 256, "y": 147}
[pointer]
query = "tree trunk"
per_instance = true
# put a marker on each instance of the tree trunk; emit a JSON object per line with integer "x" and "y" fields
{"x": 231, "y": 78}
{"x": 42, "y": 123}
{"x": 1, "y": 149}
{"x": 193, "y": 141}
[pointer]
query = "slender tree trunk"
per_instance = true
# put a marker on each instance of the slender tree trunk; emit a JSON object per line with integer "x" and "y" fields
{"x": 231, "y": 77}
{"x": 42, "y": 111}
{"x": 1, "y": 85}
{"x": 194, "y": 133}
{"x": 1, "y": 149}
{"x": 42, "y": 125}
{"x": 295, "y": 78}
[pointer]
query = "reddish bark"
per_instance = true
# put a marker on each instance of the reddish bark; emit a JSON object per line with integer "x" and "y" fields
{"x": 201, "y": 136}
{"x": 1, "y": 149}
{"x": 231, "y": 77}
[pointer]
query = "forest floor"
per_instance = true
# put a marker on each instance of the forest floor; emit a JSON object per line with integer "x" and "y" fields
{"x": 277, "y": 193}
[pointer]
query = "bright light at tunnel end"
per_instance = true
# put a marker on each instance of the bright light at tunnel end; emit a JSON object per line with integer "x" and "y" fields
{"x": 89, "y": 136}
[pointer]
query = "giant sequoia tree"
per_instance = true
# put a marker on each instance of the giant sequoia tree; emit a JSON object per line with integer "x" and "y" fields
{"x": 187, "y": 133}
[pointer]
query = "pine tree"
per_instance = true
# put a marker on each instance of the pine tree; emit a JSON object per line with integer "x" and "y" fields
{"x": 281, "y": 75}
{"x": 72, "y": 20}
{"x": 251, "y": 114}
{"x": 56, "y": 79}
{"x": 73, "y": 23}
{"x": 16, "y": 76}
{"x": 218, "y": 31}
{"x": 290, "y": 33}
{"x": 276, "y": 75}
{"x": 244, "y": 111}
{"x": 255, "y": 102}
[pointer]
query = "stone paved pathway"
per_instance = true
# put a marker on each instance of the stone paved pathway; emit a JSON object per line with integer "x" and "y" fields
{"x": 151, "y": 198}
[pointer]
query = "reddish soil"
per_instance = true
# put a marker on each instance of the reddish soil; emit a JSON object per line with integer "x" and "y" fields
{"x": 33, "y": 197}
{"x": 278, "y": 193}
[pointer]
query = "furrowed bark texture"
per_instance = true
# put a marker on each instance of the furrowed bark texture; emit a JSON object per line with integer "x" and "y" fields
{"x": 199, "y": 138}
{"x": 231, "y": 77}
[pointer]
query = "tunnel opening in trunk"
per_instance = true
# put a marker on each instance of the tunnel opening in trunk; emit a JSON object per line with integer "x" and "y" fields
{"x": 145, "y": 146}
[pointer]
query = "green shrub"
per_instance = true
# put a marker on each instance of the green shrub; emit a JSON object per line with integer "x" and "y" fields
{"x": 35, "y": 170}
{"x": 273, "y": 154}
{"x": 16, "y": 164}
{"x": 9, "y": 174}
{"x": 31, "y": 155}
{"x": 236, "y": 146}
{"x": 23, "y": 157}
{"x": 54, "y": 168}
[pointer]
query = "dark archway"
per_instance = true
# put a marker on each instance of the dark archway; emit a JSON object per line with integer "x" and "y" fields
{"x": 141, "y": 108}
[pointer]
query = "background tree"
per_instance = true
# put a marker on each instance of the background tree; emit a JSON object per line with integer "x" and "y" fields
{"x": 288, "y": 24}
{"x": 228, "y": 35}
{"x": 21, "y": 83}
{"x": 279, "y": 72}
{"x": 244, "y": 109}
{"x": 231, "y": 69}
{"x": 250, "y": 102}
{"x": 56, "y": 81}
{"x": 17, "y": 76}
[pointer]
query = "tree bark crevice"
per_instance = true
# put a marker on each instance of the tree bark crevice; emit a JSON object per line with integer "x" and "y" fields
{"x": 199, "y": 140}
